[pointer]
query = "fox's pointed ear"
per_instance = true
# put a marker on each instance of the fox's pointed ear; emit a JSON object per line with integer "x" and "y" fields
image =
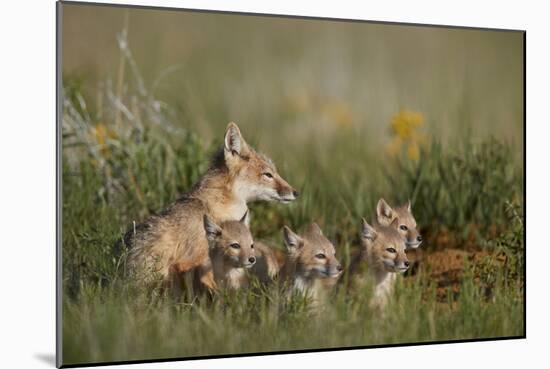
{"x": 383, "y": 211}
{"x": 367, "y": 231}
{"x": 234, "y": 142}
{"x": 293, "y": 242}
{"x": 246, "y": 218}
{"x": 213, "y": 231}
{"x": 314, "y": 228}
{"x": 408, "y": 206}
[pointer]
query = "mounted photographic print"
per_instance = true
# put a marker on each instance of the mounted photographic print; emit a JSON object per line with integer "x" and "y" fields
{"x": 242, "y": 184}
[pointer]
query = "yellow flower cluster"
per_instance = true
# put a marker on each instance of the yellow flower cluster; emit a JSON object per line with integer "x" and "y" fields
{"x": 405, "y": 123}
{"x": 102, "y": 133}
{"x": 404, "y": 128}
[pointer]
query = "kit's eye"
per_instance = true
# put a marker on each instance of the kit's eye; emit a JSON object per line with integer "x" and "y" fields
{"x": 320, "y": 256}
{"x": 268, "y": 175}
{"x": 391, "y": 249}
{"x": 403, "y": 227}
{"x": 235, "y": 245}
{"x": 252, "y": 246}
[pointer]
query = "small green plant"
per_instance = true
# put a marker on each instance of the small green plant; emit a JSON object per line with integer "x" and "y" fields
{"x": 510, "y": 244}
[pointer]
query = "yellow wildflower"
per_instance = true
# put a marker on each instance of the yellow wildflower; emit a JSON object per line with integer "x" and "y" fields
{"x": 102, "y": 134}
{"x": 405, "y": 123}
{"x": 404, "y": 126}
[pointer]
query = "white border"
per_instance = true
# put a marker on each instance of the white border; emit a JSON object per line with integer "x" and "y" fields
{"x": 28, "y": 180}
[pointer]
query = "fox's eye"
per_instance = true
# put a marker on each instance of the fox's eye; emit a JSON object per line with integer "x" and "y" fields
{"x": 268, "y": 175}
{"x": 252, "y": 246}
{"x": 403, "y": 227}
{"x": 235, "y": 246}
{"x": 391, "y": 249}
{"x": 320, "y": 256}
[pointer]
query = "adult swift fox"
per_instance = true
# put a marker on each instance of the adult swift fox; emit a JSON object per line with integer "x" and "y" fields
{"x": 406, "y": 224}
{"x": 383, "y": 253}
{"x": 311, "y": 266}
{"x": 174, "y": 241}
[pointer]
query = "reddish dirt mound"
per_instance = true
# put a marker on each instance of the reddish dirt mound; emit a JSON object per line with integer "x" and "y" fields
{"x": 441, "y": 262}
{"x": 445, "y": 268}
{"x": 444, "y": 239}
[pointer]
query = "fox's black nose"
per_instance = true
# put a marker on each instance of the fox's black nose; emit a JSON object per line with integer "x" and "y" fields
{"x": 407, "y": 264}
{"x": 340, "y": 267}
{"x": 295, "y": 193}
{"x": 252, "y": 259}
{"x": 419, "y": 238}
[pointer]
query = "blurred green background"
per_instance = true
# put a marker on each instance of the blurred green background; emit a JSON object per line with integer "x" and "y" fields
{"x": 295, "y": 76}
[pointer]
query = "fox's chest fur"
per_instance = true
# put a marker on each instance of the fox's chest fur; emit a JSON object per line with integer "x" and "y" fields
{"x": 369, "y": 273}
{"x": 233, "y": 278}
{"x": 315, "y": 290}
{"x": 383, "y": 286}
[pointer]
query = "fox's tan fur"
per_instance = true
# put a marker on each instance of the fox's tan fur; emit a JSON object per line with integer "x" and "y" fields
{"x": 174, "y": 241}
{"x": 383, "y": 254}
{"x": 405, "y": 225}
{"x": 268, "y": 262}
{"x": 311, "y": 267}
{"x": 231, "y": 251}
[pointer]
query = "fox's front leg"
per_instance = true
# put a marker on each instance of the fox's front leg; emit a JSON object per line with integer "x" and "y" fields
{"x": 181, "y": 275}
{"x": 206, "y": 277}
{"x": 174, "y": 281}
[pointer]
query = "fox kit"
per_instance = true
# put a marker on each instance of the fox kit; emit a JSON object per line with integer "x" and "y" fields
{"x": 231, "y": 251}
{"x": 406, "y": 224}
{"x": 174, "y": 241}
{"x": 383, "y": 252}
{"x": 311, "y": 266}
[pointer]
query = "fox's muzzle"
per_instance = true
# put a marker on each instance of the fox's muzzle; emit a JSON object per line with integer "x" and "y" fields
{"x": 413, "y": 242}
{"x": 333, "y": 271}
{"x": 285, "y": 192}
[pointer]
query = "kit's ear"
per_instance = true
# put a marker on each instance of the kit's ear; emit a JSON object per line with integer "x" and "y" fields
{"x": 314, "y": 228}
{"x": 408, "y": 206}
{"x": 384, "y": 212}
{"x": 213, "y": 231}
{"x": 293, "y": 242}
{"x": 367, "y": 231}
{"x": 246, "y": 218}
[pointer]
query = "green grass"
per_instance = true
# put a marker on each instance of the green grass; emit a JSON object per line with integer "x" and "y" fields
{"x": 109, "y": 325}
{"x": 127, "y": 155}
